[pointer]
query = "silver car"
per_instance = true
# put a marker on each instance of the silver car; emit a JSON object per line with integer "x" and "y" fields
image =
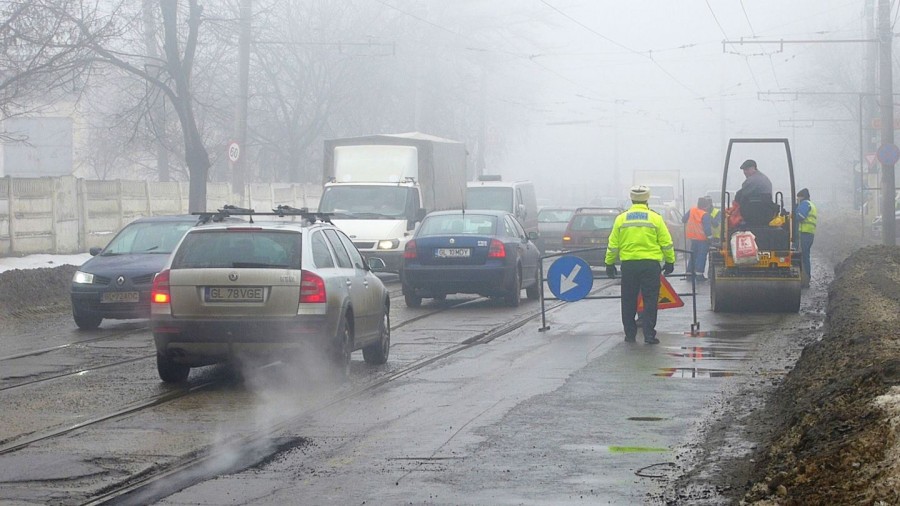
{"x": 235, "y": 289}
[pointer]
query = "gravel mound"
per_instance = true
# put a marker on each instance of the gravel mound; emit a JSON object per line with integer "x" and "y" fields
{"x": 35, "y": 289}
{"x": 839, "y": 408}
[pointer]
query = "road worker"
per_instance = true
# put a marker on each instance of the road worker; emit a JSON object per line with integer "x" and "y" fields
{"x": 806, "y": 213}
{"x": 698, "y": 229}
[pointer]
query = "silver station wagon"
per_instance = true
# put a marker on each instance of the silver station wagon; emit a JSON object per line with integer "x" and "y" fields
{"x": 294, "y": 284}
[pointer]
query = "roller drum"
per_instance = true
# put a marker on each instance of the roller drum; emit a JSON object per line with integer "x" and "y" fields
{"x": 755, "y": 291}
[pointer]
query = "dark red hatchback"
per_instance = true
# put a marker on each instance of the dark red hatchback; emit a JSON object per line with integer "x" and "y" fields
{"x": 589, "y": 227}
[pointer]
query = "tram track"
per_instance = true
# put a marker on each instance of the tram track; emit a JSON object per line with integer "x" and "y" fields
{"x": 207, "y": 464}
{"x": 129, "y": 489}
{"x": 14, "y": 443}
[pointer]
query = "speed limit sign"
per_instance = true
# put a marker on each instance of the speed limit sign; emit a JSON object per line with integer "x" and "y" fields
{"x": 234, "y": 151}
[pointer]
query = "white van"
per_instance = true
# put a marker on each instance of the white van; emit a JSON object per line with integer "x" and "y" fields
{"x": 516, "y": 197}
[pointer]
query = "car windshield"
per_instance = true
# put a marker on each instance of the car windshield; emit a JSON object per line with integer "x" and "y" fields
{"x": 458, "y": 224}
{"x": 499, "y": 198}
{"x": 555, "y": 215}
{"x": 224, "y": 248}
{"x": 158, "y": 237}
{"x": 367, "y": 201}
{"x": 591, "y": 222}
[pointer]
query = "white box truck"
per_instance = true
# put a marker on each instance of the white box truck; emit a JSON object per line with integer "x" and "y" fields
{"x": 380, "y": 186}
{"x": 665, "y": 186}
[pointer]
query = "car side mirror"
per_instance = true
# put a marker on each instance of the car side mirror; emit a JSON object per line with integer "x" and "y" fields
{"x": 533, "y": 235}
{"x": 95, "y": 251}
{"x": 376, "y": 264}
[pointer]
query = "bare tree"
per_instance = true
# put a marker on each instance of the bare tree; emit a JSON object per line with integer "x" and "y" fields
{"x": 54, "y": 46}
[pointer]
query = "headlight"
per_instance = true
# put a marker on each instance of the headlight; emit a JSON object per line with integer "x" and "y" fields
{"x": 85, "y": 278}
{"x": 389, "y": 244}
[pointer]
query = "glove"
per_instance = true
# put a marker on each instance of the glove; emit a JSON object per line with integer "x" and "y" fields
{"x": 668, "y": 268}
{"x": 611, "y": 271}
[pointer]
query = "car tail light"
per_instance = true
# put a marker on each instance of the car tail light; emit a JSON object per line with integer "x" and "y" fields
{"x": 312, "y": 288}
{"x": 160, "y": 293}
{"x": 410, "y": 250}
{"x": 498, "y": 250}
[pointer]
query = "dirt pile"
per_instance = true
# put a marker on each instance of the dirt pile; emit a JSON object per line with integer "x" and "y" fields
{"x": 838, "y": 441}
{"x": 25, "y": 290}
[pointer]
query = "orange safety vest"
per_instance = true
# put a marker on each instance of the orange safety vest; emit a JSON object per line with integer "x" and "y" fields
{"x": 694, "y": 230}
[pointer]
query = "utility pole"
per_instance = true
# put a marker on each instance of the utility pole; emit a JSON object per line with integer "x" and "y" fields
{"x": 888, "y": 150}
{"x": 238, "y": 181}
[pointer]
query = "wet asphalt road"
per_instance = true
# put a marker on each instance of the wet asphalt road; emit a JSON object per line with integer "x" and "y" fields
{"x": 569, "y": 415}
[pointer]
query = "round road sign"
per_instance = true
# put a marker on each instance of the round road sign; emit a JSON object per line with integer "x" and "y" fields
{"x": 234, "y": 151}
{"x": 888, "y": 154}
{"x": 570, "y": 278}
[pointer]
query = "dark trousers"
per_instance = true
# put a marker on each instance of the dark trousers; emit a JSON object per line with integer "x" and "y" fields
{"x": 806, "y": 242}
{"x": 699, "y": 252}
{"x": 640, "y": 276}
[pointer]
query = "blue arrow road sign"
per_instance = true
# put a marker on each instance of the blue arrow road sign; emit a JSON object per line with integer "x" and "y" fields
{"x": 570, "y": 278}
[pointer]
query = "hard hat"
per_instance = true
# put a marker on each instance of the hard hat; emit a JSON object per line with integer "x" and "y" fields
{"x": 640, "y": 193}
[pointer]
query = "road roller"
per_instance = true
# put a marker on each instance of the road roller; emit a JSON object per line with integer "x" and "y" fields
{"x": 772, "y": 283}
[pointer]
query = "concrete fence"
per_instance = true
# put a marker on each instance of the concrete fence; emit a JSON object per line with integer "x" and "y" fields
{"x": 71, "y": 215}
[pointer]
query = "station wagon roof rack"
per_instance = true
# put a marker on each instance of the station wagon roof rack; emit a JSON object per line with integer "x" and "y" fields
{"x": 281, "y": 211}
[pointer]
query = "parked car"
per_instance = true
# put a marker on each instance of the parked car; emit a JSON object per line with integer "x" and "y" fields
{"x": 115, "y": 283}
{"x": 589, "y": 227}
{"x": 484, "y": 252}
{"x": 231, "y": 291}
{"x": 552, "y": 222}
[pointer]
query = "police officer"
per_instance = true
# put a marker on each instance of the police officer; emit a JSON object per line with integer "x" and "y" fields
{"x": 806, "y": 213}
{"x": 641, "y": 240}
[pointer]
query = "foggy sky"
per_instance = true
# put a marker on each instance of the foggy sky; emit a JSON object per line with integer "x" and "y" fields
{"x": 646, "y": 85}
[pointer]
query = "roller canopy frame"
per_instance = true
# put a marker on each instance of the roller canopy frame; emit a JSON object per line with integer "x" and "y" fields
{"x": 773, "y": 284}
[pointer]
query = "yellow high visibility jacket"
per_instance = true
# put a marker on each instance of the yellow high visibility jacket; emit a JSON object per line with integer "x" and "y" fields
{"x": 716, "y": 228}
{"x": 640, "y": 234}
{"x": 808, "y": 224}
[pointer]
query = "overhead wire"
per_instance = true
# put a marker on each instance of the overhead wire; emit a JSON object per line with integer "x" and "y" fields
{"x": 724, "y": 34}
{"x": 753, "y": 32}
{"x": 648, "y": 55}
{"x": 896, "y": 5}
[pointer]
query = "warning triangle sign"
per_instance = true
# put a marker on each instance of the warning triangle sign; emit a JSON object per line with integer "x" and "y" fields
{"x": 668, "y": 298}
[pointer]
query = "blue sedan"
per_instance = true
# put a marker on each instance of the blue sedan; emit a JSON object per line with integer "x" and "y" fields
{"x": 473, "y": 251}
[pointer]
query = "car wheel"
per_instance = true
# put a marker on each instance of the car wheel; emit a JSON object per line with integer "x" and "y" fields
{"x": 412, "y": 300}
{"x": 377, "y": 354}
{"x": 514, "y": 290}
{"x": 533, "y": 292}
{"x": 340, "y": 349}
{"x": 86, "y": 321}
{"x": 169, "y": 371}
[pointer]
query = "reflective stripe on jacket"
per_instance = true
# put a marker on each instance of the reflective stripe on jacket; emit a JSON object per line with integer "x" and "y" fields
{"x": 694, "y": 229}
{"x": 808, "y": 217}
{"x": 640, "y": 234}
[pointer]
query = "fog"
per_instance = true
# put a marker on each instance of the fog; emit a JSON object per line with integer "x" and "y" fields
{"x": 648, "y": 85}
{"x": 573, "y": 94}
